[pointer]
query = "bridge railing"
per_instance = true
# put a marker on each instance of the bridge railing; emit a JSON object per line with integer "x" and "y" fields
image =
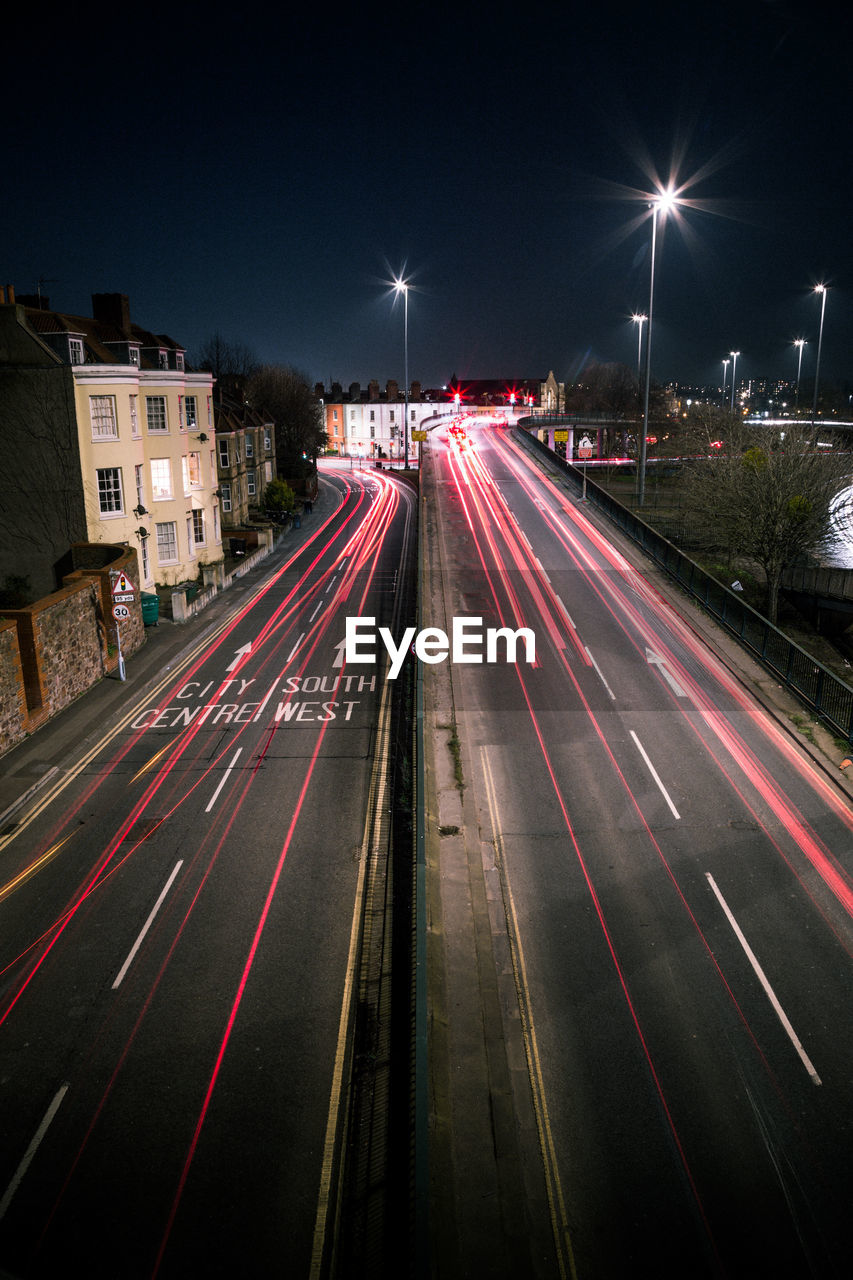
{"x": 822, "y": 691}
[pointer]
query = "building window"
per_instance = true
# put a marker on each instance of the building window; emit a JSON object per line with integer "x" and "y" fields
{"x": 163, "y": 360}
{"x": 392, "y": 415}
{"x": 191, "y": 464}
{"x": 225, "y": 494}
{"x": 179, "y": 360}
{"x": 75, "y": 351}
{"x": 167, "y": 542}
{"x": 198, "y": 528}
{"x": 223, "y": 454}
{"x": 102, "y": 410}
{"x": 267, "y": 441}
{"x": 334, "y": 415}
{"x": 217, "y": 532}
{"x": 110, "y": 497}
{"x": 250, "y": 447}
{"x": 190, "y": 540}
{"x": 146, "y": 565}
{"x": 213, "y": 467}
{"x": 236, "y": 449}
{"x": 250, "y": 482}
{"x": 191, "y": 410}
{"x": 161, "y": 479}
{"x": 134, "y": 415}
{"x": 139, "y": 477}
{"x": 155, "y": 408}
{"x": 133, "y": 355}
{"x": 372, "y": 415}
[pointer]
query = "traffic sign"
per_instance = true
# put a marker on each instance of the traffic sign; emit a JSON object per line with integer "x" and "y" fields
{"x": 584, "y": 447}
{"x": 122, "y": 587}
{"x": 121, "y": 613}
{"x": 125, "y": 599}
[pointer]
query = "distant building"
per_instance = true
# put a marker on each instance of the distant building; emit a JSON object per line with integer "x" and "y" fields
{"x": 145, "y": 434}
{"x": 369, "y": 423}
{"x": 245, "y": 458}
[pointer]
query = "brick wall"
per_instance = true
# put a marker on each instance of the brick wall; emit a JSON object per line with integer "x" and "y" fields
{"x": 13, "y": 707}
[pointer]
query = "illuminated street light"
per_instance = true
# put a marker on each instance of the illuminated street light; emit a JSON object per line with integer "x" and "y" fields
{"x": 799, "y": 343}
{"x": 725, "y": 381}
{"x": 640, "y": 321}
{"x": 662, "y": 203}
{"x": 734, "y": 355}
{"x": 402, "y": 286}
{"x": 821, "y": 289}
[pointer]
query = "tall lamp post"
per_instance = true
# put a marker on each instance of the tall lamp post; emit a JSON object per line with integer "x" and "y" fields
{"x": 799, "y": 343}
{"x": 661, "y": 204}
{"x": 821, "y": 289}
{"x": 725, "y": 381}
{"x": 639, "y": 321}
{"x": 402, "y": 286}
{"x": 734, "y": 355}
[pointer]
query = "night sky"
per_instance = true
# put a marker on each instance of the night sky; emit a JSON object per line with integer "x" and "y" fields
{"x": 265, "y": 177}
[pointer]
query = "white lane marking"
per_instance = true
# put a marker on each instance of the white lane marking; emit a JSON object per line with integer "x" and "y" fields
{"x": 762, "y": 978}
{"x": 542, "y": 570}
{"x": 31, "y": 1150}
{"x": 332, "y": 582}
{"x": 148, "y": 923}
{"x": 222, "y": 782}
{"x": 260, "y": 709}
{"x": 655, "y": 660}
{"x": 566, "y": 613}
{"x": 295, "y": 647}
{"x": 653, "y": 771}
{"x": 600, "y": 675}
{"x": 316, "y": 611}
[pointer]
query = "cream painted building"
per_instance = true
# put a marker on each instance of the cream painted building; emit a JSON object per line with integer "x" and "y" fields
{"x": 147, "y": 446}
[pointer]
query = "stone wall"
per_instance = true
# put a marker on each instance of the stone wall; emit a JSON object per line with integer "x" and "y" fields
{"x": 54, "y": 650}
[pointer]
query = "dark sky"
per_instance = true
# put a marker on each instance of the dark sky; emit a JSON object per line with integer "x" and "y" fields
{"x": 265, "y": 176}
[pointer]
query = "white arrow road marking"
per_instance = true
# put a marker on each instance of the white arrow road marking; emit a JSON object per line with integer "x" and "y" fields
{"x": 240, "y": 653}
{"x": 655, "y": 660}
{"x": 339, "y": 653}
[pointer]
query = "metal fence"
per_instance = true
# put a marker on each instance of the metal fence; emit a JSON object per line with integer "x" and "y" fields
{"x": 822, "y": 691}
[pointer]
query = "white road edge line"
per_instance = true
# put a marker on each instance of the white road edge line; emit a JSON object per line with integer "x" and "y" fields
{"x": 762, "y": 978}
{"x": 148, "y": 923}
{"x": 653, "y": 771}
{"x": 32, "y": 1149}
{"x": 222, "y": 781}
{"x": 601, "y": 676}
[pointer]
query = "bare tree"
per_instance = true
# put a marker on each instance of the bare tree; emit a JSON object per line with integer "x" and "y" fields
{"x": 764, "y": 494}
{"x": 287, "y": 396}
{"x": 231, "y": 363}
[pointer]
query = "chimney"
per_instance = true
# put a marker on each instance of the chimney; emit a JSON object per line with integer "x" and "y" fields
{"x": 112, "y": 308}
{"x": 373, "y": 389}
{"x": 8, "y": 294}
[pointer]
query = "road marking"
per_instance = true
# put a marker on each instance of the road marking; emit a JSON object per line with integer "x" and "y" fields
{"x": 31, "y": 1150}
{"x": 600, "y": 674}
{"x": 655, "y": 660}
{"x": 316, "y": 611}
{"x": 295, "y": 647}
{"x": 653, "y": 771}
{"x": 762, "y": 978}
{"x": 148, "y": 923}
{"x": 569, "y": 618}
{"x": 332, "y": 582}
{"x": 222, "y": 782}
{"x": 542, "y": 570}
{"x": 238, "y": 654}
{"x": 553, "y": 1184}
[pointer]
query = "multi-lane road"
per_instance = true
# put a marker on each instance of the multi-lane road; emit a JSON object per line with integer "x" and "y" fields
{"x": 180, "y": 929}
{"x": 675, "y": 877}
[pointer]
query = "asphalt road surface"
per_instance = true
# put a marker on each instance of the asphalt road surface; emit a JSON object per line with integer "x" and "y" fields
{"x": 177, "y": 939}
{"x": 675, "y": 885}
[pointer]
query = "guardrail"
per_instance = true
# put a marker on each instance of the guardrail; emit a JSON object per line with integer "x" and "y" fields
{"x": 816, "y": 686}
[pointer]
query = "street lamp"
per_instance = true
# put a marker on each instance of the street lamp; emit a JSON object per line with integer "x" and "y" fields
{"x": 734, "y": 355}
{"x": 799, "y": 343}
{"x": 402, "y": 286}
{"x": 821, "y": 289}
{"x": 725, "y": 381}
{"x": 639, "y": 321}
{"x": 661, "y": 204}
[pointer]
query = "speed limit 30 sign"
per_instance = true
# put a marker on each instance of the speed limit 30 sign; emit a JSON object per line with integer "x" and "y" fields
{"x": 121, "y": 612}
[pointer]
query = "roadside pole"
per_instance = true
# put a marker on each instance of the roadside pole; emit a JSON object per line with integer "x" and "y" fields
{"x": 123, "y": 595}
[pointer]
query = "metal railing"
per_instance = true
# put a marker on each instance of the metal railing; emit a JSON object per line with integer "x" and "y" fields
{"x": 816, "y": 686}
